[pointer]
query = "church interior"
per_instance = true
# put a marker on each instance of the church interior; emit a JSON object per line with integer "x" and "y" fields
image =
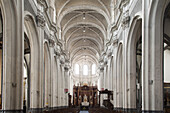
{"x": 84, "y": 56}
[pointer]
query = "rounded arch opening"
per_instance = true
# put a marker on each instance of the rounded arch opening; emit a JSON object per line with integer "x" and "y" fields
{"x": 166, "y": 59}
{"x": 31, "y": 55}
{"x": 134, "y": 64}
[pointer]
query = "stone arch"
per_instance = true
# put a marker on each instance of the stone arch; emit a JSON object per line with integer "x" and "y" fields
{"x": 166, "y": 57}
{"x": 134, "y": 35}
{"x": 152, "y": 70}
{"x": 32, "y": 33}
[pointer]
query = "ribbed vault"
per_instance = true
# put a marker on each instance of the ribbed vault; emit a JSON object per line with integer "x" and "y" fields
{"x": 83, "y": 26}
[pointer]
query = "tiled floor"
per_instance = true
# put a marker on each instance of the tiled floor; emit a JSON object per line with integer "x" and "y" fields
{"x": 84, "y": 112}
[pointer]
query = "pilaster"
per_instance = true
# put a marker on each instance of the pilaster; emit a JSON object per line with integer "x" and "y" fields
{"x": 40, "y": 20}
{"x": 66, "y": 76}
{"x": 51, "y": 47}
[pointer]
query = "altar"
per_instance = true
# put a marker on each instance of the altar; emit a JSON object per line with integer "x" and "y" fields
{"x": 84, "y": 105}
{"x": 85, "y": 96}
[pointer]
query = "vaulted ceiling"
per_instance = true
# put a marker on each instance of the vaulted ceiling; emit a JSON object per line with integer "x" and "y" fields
{"x": 83, "y": 26}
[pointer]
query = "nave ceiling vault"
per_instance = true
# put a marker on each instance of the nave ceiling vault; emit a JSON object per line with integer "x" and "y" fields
{"x": 84, "y": 27}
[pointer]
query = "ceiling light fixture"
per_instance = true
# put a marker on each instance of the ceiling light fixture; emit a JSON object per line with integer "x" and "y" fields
{"x": 84, "y": 30}
{"x": 84, "y": 17}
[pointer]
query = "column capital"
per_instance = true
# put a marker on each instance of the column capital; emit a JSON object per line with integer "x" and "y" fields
{"x": 126, "y": 19}
{"x": 57, "y": 52}
{"x": 51, "y": 41}
{"x": 62, "y": 60}
{"x": 67, "y": 65}
{"x": 66, "y": 68}
{"x": 101, "y": 69}
{"x": 109, "y": 53}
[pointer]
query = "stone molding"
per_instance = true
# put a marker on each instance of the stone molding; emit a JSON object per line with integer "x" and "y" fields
{"x": 101, "y": 69}
{"x": 67, "y": 66}
{"x": 40, "y": 1}
{"x": 51, "y": 41}
{"x": 105, "y": 62}
{"x": 109, "y": 53}
{"x": 125, "y": 19}
{"x": 62, "y": 60}
{"x": 40, "y": 19}
{"x": 56, "y": 52}
{"x": 115, "y": 42}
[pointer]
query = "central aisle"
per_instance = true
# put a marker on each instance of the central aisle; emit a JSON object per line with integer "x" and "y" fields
{"x": 84, "y": 112}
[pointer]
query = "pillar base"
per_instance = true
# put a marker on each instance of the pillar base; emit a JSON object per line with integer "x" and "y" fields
{"x": 11, "y": 111}
{"x": 36, "y": 110}
{"x": 130, "y": 110}
{"x": 151, "y": 111}
{"x": 118, "y": 109}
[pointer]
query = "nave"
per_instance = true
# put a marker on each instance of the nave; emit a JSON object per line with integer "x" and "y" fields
{"x": 64, "y": 55}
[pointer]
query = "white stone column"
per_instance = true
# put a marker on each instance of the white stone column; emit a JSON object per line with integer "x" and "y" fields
{"x": 109, "y": 74}
{"x": 101, "y": 85}
{"x": 66, "y": 76}
{"x": 58, "y": 80}
{"x": 13, "y": 54}
{"x": 125, "y": 74}
{"x": 115, "y": 97}
{"x": 152, "y": 92}
{"x": 62, "y": 80}
{"x": 41, "y": 71}
{"x": 104, "y": 78}
{"x": 51, "y": 84}
{"x": 62, "y": 86}
{"x": 118, "y": 81}
{"x": 55, "y": 85}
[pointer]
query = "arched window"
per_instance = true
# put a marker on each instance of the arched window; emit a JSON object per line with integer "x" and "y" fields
{"x": 76, "y": 69}
{"x": 85, "y": 70}
{"x": 94, "y": 69}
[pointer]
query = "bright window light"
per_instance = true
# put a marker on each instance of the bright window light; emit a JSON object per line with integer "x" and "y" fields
{"x": 25, "y": 70}
{"x": 94, "y": 69}
{"x": 76, "y": 69}
{"x": 85, "y": 70}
